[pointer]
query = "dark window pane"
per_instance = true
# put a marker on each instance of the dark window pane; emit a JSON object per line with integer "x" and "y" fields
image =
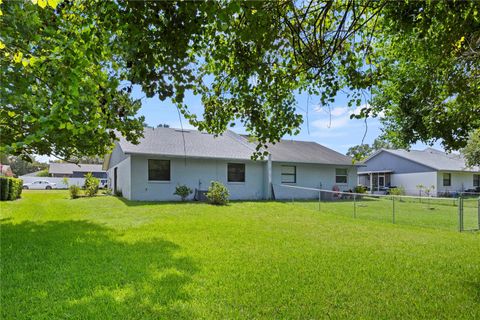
{"x": 158, "y": 170}
{"x": 447, "y": 179}
{"x": 476, "y": 180}
{"x": 341, "y": 175}
{"x": 341, "y": 179}
{"x": 236, "y": 172}
{"x": 289, "y": 174}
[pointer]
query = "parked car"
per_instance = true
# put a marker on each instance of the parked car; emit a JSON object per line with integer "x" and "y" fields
{"x": 103, "y": 184}
{"x": 40, "y": 184}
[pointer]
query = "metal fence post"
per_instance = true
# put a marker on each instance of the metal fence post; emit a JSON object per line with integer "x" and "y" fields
{"x": 393, "y": 209}
{"x": 460, "y": 214}
{"x": 478, "y": 209}
{"x": 354, "y": 205}
{"x": 319, "y": 199}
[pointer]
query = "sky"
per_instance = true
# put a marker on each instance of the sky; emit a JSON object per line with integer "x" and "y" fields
{"x": 332, "y": 127}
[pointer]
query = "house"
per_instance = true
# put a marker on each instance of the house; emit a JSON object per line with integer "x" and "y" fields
{"x": 6, "y": 170}
{"x": 167, "y": 157}
{"x": 446, "y": 172}
{"x": 72, "y": 170}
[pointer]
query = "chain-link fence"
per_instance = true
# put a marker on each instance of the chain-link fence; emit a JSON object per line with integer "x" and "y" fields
{"x": 461, "y": 213}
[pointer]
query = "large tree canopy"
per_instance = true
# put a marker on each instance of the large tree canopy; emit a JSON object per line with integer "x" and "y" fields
{"x": 68, "y": 67}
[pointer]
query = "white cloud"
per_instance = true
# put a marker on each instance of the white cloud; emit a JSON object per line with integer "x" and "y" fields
{"x": 335, "y": 122}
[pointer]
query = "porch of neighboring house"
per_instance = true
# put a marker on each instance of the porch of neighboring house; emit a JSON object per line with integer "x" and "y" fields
{"x": 375, "y": 181}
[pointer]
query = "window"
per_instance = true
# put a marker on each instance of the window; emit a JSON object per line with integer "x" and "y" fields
{"x": 476, "y": 180}
{"x": 341, "y": 176}
{"x": 447, "y": 179}
{"x": 158, "y": 170}
{"x": 289, "y": 174}
{"x": 236, "y": 172}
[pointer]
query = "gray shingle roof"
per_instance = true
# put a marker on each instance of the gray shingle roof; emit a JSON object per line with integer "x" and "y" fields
{"x": 69, "y": 168}
{"x": 169, "y": 142}
{"x": 306, "y": 152}
{"x": 435, "y": 159}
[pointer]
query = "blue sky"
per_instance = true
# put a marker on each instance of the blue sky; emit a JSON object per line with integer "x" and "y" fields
{"x": 332, "y": 128}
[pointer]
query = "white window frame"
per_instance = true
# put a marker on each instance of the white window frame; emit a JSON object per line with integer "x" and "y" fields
{"x": 294, "y": 174}
{"x": 343, "y": 175}
{"x": 169, "y": 168}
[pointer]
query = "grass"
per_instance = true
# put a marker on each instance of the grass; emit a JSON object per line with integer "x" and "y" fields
{"x": 114, "y": 259}
{"x": 427, "y": 212}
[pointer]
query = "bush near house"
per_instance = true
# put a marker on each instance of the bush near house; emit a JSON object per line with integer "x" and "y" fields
{"x": 10, "y": 188}
{"x": 183, "y": 191}
{"x": 217, "y": 193}
{"x": 91, "y": 185}
{"x": 74, "y": 191}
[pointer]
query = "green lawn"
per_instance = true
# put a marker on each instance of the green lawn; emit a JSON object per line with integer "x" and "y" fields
{"x": 105, "y": 258}
{"x": 434, "y": 213}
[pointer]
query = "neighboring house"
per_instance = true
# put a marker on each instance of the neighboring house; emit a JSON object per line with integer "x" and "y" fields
{"x": 168, "y": 157}
{"x": 447, "y": 173}
{"x": 5, "y": 170}
{"x": 72, "y": 170}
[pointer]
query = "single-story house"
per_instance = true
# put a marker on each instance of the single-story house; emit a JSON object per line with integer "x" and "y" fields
{"x": 167, "y": 157}
{"x": 5, "y": 170}
{"x": 72, "y": 170}
{"x": 446, "y": 172}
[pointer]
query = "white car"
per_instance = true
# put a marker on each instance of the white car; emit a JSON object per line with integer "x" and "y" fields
{"x": 40, "y": 184}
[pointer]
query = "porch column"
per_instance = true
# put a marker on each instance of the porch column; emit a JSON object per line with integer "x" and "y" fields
{"x": 371, "y": 182}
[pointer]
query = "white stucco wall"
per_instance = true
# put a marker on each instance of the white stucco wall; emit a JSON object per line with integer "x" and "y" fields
{"x": 409, "y": 181}
{"x": 195, "y": 173}
{"x": 311, "y": 176}
{"x": 460, "y": 181}
{"x": 124, "y": 175}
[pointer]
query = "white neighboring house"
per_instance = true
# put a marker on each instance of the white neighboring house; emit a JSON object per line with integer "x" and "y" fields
{"x": 446, "y": 172}
{"x": 167, "y": 157}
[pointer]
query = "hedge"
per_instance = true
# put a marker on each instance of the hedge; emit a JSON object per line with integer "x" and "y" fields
{"x": 10, "y": 188}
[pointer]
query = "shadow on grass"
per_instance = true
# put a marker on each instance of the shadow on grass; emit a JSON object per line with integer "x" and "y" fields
{"x": 77, "y": 269}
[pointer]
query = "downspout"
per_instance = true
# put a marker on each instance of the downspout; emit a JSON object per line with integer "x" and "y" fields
{"x": 269, "y": 171}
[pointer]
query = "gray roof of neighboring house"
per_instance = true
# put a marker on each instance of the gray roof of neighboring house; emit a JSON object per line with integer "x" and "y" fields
{"x": 230, "y": 145}
{"x": 69, "y": 168}
{"x": 432, "y": 158}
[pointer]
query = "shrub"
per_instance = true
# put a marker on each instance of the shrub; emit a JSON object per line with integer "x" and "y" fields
{"x": 119, "y": 193}
{"x": 217, "y": 193}
{"x": 4, "y": 186}
{"x": 91, "y": 185}
{"x": 43, "y": 173}
{"x": 397, "y": 191}
{"x": 183, "y": 191}
{"x": 65, "y": 181}
{"x": 108, "y": 192}
{"x": 360, "y": 189}
{"x": 74, "y": 191}
{"x": 10, "y": 188}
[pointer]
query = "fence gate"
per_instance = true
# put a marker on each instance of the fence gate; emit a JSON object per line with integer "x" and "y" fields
{"x": 469, "y": 214}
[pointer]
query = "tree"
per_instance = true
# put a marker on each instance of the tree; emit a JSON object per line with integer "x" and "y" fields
{"x": 362, "y": 151}
{"x": 21, "y": 166}
{"x": 472, "y": 150}
{"x": 69, "y": 69}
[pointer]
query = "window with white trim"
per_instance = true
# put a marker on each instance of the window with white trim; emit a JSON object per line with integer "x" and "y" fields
{"x": 236, "y": 172}
{"x": 158, "y": 170}
{"x": 289, "y": 174}
{"x": 447, "y": 179}
{"x": 341, "y": 175}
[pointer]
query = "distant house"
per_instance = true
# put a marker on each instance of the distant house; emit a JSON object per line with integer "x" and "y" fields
{"x": 167, "y": 157}
{"x": 72, "y": 170}
{"x": 447, "y": 173}
{"x": 5, "y": 170}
